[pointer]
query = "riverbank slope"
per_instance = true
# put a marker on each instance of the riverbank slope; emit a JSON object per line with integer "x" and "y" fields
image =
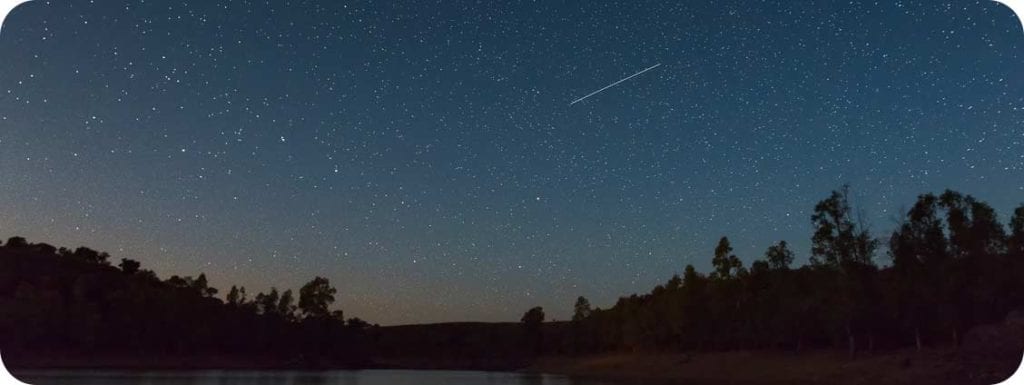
{"x": 930, "y": 366}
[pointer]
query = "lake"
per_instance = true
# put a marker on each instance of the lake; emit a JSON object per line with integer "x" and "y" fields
{"x": 362, "y": 377}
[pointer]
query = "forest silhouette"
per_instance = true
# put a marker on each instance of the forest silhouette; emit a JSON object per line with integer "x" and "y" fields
{"x": 949, "y": 266}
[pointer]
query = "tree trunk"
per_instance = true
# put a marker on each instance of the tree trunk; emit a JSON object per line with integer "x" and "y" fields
{"x": 871, "y": 343}
{"x": 956, "y": 338}
{"x": 917, "y": 338}
{"x": 851, "y": 341}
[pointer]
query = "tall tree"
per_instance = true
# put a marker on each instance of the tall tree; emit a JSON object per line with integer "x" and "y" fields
{"x": 978, "y": 244}
{"x": 696, "y": 308}
{"x": 974, "y": 229}
{"x": 779, "y": 256}
{"x": 1016, "y": 240}
{"x": 285, "y": 305}
{"x": 315, "y": 297}
{"x": 920, "y": 256}
{"x": 838, "y": 240}
{"x": 1015, "y": 255}
{"x": 234, "y": 297}
{"x": 726, "y": 264}
{"x": 267, "y": 303}
{"x": 202, "y": 286}
{"x": 581, "y": 310}
{"x": 533, "y": 317}
{"x": 780, "y": 300}
{"x": 842, "y": 245}
{"x": 726, "y": 281}
{"x": 532, "y": 321}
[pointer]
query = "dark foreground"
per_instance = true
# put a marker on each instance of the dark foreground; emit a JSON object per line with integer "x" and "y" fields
{"x": 365, "y": 377}
{"x": 989, "y": 354}
{"x": 930, "y": 366}
{"x": 823, "y": 367}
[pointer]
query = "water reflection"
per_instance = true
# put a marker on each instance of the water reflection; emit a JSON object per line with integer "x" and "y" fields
{"x": 365, "y": 377}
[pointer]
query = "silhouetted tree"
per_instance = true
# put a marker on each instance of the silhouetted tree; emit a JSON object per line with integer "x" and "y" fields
{"x": 954, "y": 266}
{"x": 1015, "y": 256}
{"x": 201, "y": 286}
{"x": 178, "y": 282}
{"x": 784, "y": 308}
{"x": 841, "y": 245}
{"x": 696, "y": 307}
{"x": 1016, "y": 241}
{"x": 267, "y": 303}
{"x": 315, "y": 297}
{"x": 726, "y": 302}
{"x": 44, "y": 249}
{"x": 779, "y": 256}
{"x": 129, "y": 266}
{"x": 234, "y": 297}
{"x": 532, "y": 321}
{"x": 92, "y": 256}
{"x": 16, "y": 242}
{"x": 74, "y": 303}
{"x": 285, "y": 306}
{"x": 978, "y": 246}
{"x": 838, "y": 241}
{"x": 533, "y": 317}
{"x": 921, "y": 260}
{"x": 725, "y": 263}
{"x": 147, "y": 275}
{"x": 581, "y": 309}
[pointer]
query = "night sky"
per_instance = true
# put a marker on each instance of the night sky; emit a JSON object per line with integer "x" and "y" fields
{"x": 424, "y": 157}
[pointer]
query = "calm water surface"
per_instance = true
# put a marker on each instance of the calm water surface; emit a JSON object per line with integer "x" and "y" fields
{"x": 363, "y": 377}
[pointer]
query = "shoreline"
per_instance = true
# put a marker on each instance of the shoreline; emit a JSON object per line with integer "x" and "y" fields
{"x": 906, "y": 366}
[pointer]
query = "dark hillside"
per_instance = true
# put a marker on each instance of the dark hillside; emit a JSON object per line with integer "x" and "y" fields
{"x": 73, "y": 307}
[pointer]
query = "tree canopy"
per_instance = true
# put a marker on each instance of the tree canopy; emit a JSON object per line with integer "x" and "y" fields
{"x": 315, "y": 297}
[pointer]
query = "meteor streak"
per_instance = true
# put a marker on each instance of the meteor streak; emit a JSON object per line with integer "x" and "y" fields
{"x": 614, "y": 84}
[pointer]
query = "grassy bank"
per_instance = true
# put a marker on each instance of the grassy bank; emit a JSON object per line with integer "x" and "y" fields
{"x": 935, "y": 366}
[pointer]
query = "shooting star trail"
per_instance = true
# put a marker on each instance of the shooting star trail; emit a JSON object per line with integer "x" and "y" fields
{"x": 614, "y": 84}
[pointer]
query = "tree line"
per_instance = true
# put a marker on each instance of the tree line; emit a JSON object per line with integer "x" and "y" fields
{"x": 62, "y": 302}
{"x": 950, "y": 265}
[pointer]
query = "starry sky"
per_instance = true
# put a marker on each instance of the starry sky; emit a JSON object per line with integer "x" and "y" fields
{"x": 424, "y": 157}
